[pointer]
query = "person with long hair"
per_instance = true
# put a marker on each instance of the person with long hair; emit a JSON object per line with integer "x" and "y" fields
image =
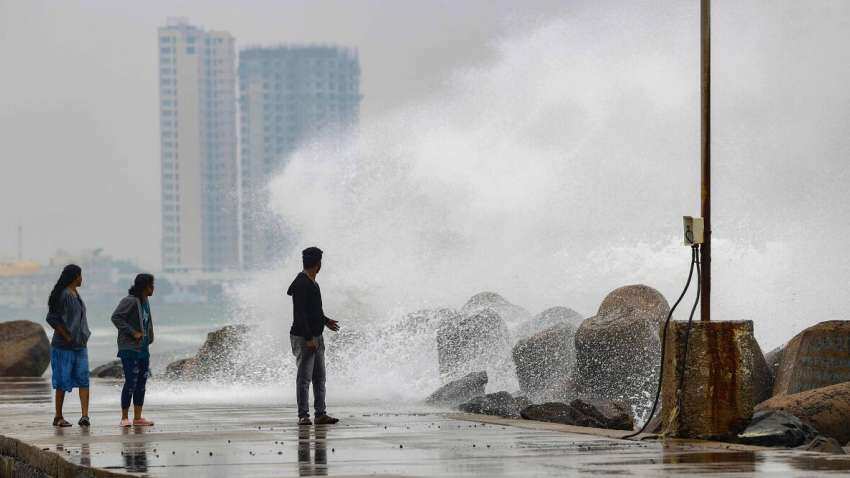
{"x": 134, "y": 322}
{"x": 69, "y": 359}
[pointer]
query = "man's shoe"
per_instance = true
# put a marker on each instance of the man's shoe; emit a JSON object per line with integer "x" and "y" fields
{"x": 84, "y": 422}
{"x": 304, "y": 421}
{"x": 326, "y": 420}
{"x": 60, "y": 422}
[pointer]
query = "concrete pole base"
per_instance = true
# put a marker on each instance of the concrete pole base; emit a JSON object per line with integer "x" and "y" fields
{"x": 719, "y": 391}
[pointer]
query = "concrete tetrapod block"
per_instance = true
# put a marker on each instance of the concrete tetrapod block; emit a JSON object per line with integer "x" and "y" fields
{"x": 816, "y": 357}
{"x": 720, "y": 387}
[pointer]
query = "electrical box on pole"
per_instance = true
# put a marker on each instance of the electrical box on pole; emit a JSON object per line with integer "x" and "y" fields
{"x": 694, "y": 230}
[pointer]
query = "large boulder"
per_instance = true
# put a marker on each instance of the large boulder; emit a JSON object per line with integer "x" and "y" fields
{"x": 544, "y": 362}
{"x": 817, "y": 357}
{"x": 614, "y": 415}
{"x": 468, "y": 343}
{"x": 24, "y": 349}
{"x": 501, "y": 404}
{"x": 776, "y": 428}
{"x": 218, "y": 356}
{"x": 618, "y": 351}
{"x": 459, "y": 391}
{"x": 547, "y": 319}
{"x": 827, "y": 409}
{"x": 112, "y": 369}
{"x": 512, "y": 314}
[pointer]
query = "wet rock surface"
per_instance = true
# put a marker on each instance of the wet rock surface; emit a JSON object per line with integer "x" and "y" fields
{"x": 24, "y": 349}
{"x": 501, "y": 404}
{"x": 551, "y": 317}
{"x": 109, "y": 370}
{"x": 777, "y": 428}
{"x": 724, "y": 378}
{"x": 468, "y": 343}
{"x": 773, "y": 360}
{"x": 823, "y": 444}
{"x": 618, "y": 350}
{"x": 827, "y": 409}
{"x": 218, "y": 356}
{"x": 424, "y": 321}
{"x": 545, "y": 361}
{"x": 596, "y": 413}
{"x": 459, "y": 391}
{"x": 816, "y": 357}
{"x": 512, "y": 314}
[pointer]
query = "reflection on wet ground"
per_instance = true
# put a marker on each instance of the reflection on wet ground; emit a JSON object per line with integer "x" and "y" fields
{"x": 313, "y": 439}
{"x": 266, "y": 441}
{"x": 24, "y": 390}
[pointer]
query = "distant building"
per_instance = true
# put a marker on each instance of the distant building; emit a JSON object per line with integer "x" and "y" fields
{"x": 197, "y": 85}
{"x": 26, "y": 284}
{"x": 288, "y": 95}
{"x": 23, "y": 284}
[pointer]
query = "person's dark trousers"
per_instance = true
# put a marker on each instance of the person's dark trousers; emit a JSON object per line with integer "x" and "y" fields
{"x": 135, "y": 378}
{"x": 311, "y": 368}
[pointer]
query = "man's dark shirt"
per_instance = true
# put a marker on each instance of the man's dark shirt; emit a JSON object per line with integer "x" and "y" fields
{"x": 308, "y": 317}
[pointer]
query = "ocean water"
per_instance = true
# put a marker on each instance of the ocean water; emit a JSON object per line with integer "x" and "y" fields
{"x": 179, "y": 329}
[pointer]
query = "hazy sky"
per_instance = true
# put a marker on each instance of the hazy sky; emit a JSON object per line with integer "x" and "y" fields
{"x": 79, "y": 143}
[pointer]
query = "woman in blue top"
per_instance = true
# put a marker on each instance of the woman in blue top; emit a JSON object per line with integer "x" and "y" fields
{"x": 133, "y": 320}
{"x": 69, "y": 357}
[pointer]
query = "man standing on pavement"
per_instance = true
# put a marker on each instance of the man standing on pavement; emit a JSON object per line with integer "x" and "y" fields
{"x": 308, "y": 346}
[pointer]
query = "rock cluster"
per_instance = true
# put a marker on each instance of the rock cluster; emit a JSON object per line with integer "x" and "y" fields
{"x": 24, "y": 349}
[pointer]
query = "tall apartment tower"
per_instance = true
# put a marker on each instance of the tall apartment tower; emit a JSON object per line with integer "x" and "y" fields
{"x": 288, "y": 95}
{"x": 200, "y": 209}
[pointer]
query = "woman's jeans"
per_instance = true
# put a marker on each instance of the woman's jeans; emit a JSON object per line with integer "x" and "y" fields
{"x": 135, "y": 378}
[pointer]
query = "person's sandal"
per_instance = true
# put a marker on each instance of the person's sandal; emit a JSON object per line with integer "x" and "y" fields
{"x": 326, "y": 420}
{"x": 84, "y": 422}
{"x": 304, "y": 421}
{"x": 60, "y": 422}
{"x": 141, "y": 422}
{"x": 125, "y": 423}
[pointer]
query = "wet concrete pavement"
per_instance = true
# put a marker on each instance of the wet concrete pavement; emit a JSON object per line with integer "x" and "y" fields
{"x": 258, "y": 441}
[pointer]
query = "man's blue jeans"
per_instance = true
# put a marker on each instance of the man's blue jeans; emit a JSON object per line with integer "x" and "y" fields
{"x": 311, "y": 368}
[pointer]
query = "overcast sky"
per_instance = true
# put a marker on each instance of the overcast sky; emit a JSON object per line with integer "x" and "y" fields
{"x": 79, "y": 143}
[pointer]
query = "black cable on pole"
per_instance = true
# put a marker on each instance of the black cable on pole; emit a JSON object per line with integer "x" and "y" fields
{"x": 664, "y": 342}
{"x": 681, "y": 388}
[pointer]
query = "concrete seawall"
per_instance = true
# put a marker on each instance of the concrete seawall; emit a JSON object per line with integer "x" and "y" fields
{"x": 22, "y": 460}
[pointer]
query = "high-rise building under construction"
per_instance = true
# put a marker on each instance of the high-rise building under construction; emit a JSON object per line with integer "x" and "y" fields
{"x": 288, "y": 95}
